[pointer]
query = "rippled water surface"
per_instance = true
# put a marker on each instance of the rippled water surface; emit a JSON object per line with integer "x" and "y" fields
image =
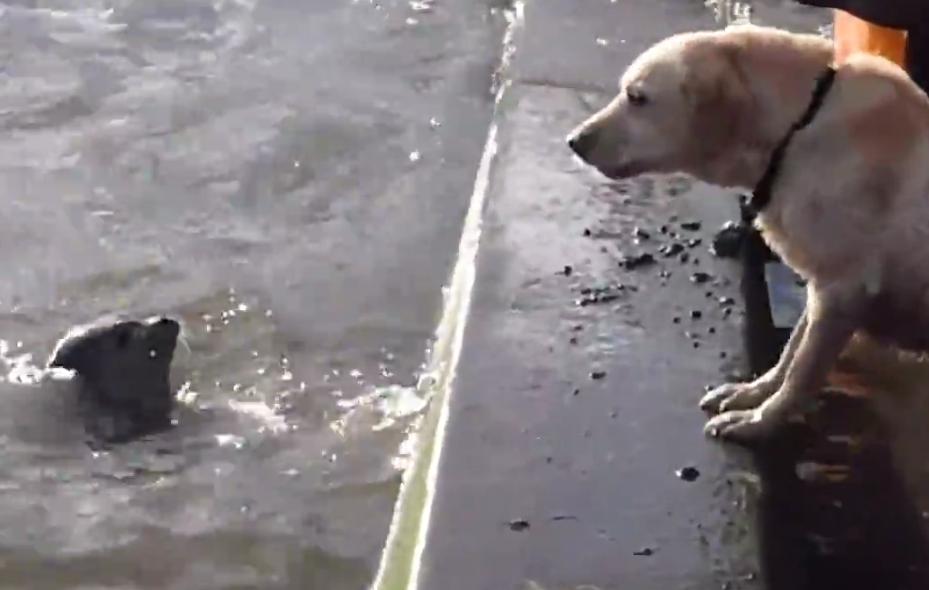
{"x": 288, "y": 178}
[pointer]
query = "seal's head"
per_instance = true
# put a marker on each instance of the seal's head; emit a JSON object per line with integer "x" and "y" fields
{"x": 123, "y": 369}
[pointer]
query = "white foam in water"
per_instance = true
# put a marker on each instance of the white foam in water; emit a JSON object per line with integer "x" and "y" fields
{"x": 230, "y": 440}
{"x": 185, "y": 395}
{"x": 731, "y": 12}
{"x": 261, "y": 412}
{"x": 21, "y": 369}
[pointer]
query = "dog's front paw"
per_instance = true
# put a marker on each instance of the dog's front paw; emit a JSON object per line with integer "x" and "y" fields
{"x": 741, "y": 426}
{"x": 736, "y": 396}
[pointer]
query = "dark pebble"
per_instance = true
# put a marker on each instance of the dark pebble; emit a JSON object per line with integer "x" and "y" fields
{"x": 641, "y": 233}
{"x": 663, "y": 229}
{"x": 676, "y": 320}
{"x": 568, "y": 270}
{"x": 727, "y": 312}
{"x": 671, "y": 250}
{"x": 519, "y": 525}
{"x": 599, "y": 295}
{"x": 696, "y": 314}
{"x": 691, "y": 225}
{"x": 696, "y": 345}
{"x": 723, "y": 354}
{"x": 685, "y": 257}
{"x": 576, "y": 392}
{"x": 597, "y": 298}
{"x": 644, "y": 552}
{"x": 597, "y": 375}
{"x": 572, "y": 340}
{"x": 637, "y": 261}
{"x": 712, "y": 330}
{"x": 689, "y": 473}
{"x": 700, "y": 278}
{"x": 587, "y": 232}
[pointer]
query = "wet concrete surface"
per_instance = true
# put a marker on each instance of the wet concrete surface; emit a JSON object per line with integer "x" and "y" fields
{"x": 287, "y": 178}
{"x": 574, "y": 456}
{"x": 573, "y": 417}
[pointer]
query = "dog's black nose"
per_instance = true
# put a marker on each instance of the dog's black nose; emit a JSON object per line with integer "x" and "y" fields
{"x": 582, "y": 142}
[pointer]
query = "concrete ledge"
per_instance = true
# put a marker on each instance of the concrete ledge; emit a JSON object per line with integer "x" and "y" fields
{"x": 554, "y": 474}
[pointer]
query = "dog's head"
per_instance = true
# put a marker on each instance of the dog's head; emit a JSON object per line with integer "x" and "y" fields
{"x": 679, "y": 107}
{"x": 124, "y": 368}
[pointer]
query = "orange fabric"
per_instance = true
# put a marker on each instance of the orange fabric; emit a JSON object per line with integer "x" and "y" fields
{"x": 853, "y": 34}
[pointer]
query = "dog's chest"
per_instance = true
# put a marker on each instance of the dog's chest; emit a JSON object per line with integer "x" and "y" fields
{"x": 786, "y": 245}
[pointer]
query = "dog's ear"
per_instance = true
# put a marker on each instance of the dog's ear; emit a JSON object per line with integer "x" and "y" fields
{"x": 717, "y": 90}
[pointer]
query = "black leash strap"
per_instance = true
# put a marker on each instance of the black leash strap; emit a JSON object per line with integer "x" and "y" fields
{"x": 761, "y": 196}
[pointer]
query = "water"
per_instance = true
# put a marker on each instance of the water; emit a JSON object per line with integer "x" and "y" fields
{"x": 787, "y": 14}
{"x": 289, "y": 179}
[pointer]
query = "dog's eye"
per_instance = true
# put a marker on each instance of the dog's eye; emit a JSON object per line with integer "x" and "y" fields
{"x": 636, "y": 97}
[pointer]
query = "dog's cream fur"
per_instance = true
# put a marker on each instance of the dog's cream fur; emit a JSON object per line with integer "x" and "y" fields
{"x": 850, "y": 209}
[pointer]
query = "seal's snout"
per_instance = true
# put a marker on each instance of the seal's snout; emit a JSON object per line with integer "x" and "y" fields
{"x": 165, "y": 329}
{"x": 167, "y": 323}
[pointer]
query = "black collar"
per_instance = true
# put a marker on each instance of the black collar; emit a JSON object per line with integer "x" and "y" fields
{"x": 761, "y": 196}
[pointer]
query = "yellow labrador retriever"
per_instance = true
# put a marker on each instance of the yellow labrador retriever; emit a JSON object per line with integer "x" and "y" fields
{"x": 846, "y": 169}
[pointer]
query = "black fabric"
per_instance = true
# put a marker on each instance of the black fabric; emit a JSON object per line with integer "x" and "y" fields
{"x": 909, "y": 15}
{"x": 917, "y": 56}
{"x": 761, "y": 196}
{"x": 897, "y": 14}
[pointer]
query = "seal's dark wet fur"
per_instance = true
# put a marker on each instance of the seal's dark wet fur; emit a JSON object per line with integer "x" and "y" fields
{"x": 122, "y": 376}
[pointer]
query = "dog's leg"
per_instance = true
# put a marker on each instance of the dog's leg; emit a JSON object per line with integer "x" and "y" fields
{"x": 745, "y": 396}
{"x": 833, "y": 315}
